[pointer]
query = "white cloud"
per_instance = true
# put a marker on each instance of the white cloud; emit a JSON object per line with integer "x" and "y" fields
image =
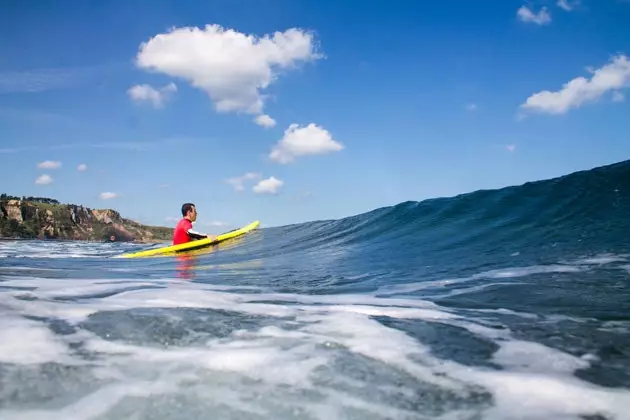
{"x": 108, "y": 195}
{"x": 265, "y": 120}
{"x": 237, "y": 182}
{"x": 301, "y": 141}
{"x": 268, "y": 186}
{"x": 580, "y": 90}
{"x": 541, "y": 18}
{"x": 82, "y": 167}
{"x": 471, "y": 107}
{"x": 230, "y": 66}
{"x": 510, "y": 147}
{"x": 618, "y": 97}
{"x": 567, "y": 5}
{"x": 44, "y": 180}
{"x": 148, "y": 93}
{"x": 49, "y": 164}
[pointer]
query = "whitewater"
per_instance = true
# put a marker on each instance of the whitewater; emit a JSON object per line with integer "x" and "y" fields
{"x": 500, "y": 304}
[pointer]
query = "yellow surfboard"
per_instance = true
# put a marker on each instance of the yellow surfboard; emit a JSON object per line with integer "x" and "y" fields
{"x": 193, "y": 245}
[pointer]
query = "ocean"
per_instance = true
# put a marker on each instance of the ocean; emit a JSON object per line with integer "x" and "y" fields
{"x": 500, "y": 304}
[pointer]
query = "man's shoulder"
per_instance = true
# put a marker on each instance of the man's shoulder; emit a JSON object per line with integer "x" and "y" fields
{"x": 184, "y": 223}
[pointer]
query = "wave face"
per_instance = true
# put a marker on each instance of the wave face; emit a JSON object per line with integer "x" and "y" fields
{"x": 510, "y": 303}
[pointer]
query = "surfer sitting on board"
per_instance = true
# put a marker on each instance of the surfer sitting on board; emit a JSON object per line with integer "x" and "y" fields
{"x": 184, "y": 231}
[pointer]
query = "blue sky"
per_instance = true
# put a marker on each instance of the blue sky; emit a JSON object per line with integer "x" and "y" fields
{"x": 378, "y": 103}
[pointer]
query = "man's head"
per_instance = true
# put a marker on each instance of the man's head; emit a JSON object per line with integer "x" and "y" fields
{"x": 189, "y": 211}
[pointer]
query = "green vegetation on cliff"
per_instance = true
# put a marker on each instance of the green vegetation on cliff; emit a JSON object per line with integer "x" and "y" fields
{"x": 46, "y": 218}
{"x": 7, "y": 197}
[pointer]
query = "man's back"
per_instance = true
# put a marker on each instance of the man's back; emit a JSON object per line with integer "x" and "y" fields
{"x": 180, "y": 235}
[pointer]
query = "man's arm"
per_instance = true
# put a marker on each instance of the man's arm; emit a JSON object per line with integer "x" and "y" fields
{"x": 197, "y": 235}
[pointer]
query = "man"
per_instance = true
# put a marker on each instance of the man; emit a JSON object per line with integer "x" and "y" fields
{"x": 184, "y": 231}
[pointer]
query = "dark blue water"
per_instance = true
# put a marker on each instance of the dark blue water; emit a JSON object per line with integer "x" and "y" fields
{"x": 506, "y": 304}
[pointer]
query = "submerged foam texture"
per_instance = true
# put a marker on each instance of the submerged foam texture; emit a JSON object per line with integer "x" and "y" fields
{"x": 23, "y": 341}
{"x": 60, "y": 250}
{"x": 176, "y": 350}
{"x": 506, "y": 273}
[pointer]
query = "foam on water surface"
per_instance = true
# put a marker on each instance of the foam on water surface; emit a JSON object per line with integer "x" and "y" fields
{"x": 174, "y": 349}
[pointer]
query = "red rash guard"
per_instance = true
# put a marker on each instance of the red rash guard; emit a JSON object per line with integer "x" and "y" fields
{"x": 185, "y": 233}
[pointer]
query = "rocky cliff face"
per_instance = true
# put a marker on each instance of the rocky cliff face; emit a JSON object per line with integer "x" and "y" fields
{"x": 45, "y": 220}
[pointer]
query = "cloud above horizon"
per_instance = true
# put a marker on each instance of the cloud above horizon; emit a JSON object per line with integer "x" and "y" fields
{"x": 230, "y": 66}
{"x": 107, "y": 195}
{"x": 147, "y": 93}
{"x": 542, "y": 17}
{"x": 270, "y": 185}
{"x": 44, "y": 179}
{"x": 265, "y": 121}
{"x": 238, "y": 181}
{"x": 611, "y": 77}
{"x": 302, "y": 141}
{"x": 567, "y": 5}
{"x": 49, "y": 164}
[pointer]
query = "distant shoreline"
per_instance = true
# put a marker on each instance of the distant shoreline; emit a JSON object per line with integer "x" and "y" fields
{"x": 42, "y": 218}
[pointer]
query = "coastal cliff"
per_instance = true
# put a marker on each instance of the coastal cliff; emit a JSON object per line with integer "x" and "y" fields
{"x": 45, "y": 218}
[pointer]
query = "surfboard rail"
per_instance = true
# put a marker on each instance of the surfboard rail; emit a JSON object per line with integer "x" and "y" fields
{"x": 193, "y": 245}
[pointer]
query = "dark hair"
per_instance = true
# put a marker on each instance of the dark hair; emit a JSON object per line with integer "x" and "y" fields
{"x": 186, "y": 207}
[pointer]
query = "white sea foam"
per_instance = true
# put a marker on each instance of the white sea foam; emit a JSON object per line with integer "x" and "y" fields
{"x": 68, "y": 288}
{"x": 278, "y": 355}
{"x": 61, "y": 249}
{"x": 518, "y": 355}
{"x": 505, "y": 273}
{"x": 290, "y": 369}
{"x": 23, "y": 341}
{"x": 602, "y": 259}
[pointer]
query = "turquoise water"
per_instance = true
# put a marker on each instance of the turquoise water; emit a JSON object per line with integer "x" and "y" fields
{"x": 506, "y": 304}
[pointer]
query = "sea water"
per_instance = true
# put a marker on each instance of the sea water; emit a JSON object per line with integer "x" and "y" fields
{"x": 506, "y": 304}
